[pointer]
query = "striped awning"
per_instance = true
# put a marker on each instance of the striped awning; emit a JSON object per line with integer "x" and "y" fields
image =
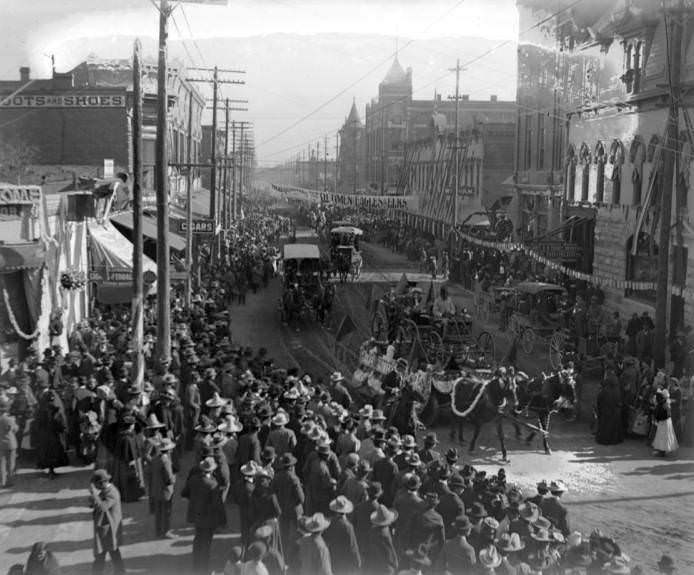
{"x": 15, "y": 257}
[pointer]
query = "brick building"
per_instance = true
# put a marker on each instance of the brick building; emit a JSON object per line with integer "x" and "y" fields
{"x": 351, "y": 175}
{"x": 83, "y": 116}
{"x": 394, "y": 120}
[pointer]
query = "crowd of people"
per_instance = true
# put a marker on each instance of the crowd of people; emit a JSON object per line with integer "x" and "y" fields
{"x": 320, "y": 484}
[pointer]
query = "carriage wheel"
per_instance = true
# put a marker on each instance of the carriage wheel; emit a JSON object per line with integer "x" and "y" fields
{"x": 527, "y": 339}
{"x": 435, "y": 350}
{"x": 556, "y": 350}
{"x": 379, "y": 327}
{"x": 407, "y": 338}
{"x": 485, "y": 342}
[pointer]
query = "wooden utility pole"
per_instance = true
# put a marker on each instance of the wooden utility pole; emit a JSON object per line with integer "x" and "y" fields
{"x": 162, "y": 172}
{"x": 189, "y": 203}
{"x": 241, "y": 145}
{"x": 673, "y": 22}
{"x": 457, "y": 141}
{"x": 325, "y": 164}
{"x": 138, "y": 282}
{"x": 383, "y": 149}
{"x": 213, "y": 179}
{"x": 234, "y": 201}
{"x": 337, "y": 152}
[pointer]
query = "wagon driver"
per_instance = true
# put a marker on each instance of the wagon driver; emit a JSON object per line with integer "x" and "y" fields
{"x": 444, "y": 309}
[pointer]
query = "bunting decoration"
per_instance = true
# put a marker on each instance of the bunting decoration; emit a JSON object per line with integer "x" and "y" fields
{"x": 598, "y": 280}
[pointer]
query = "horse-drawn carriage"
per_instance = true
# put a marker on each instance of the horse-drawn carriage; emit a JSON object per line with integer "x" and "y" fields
{"x": 417, "y": 332}
{"x": 538, "y": 316}
{"x": 303, "y": 291}
{"x": 345, "y": 256}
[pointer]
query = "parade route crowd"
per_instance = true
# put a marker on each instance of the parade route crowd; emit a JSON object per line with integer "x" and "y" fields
{"x": 321, "y": 485}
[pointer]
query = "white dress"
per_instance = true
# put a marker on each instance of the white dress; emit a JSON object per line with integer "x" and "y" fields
{"x": 665, "y": 438}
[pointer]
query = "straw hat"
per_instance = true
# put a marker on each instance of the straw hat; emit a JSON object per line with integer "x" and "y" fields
{"x": 557, "y": 487}
{"x": 341, "y": 505}
{"x": 215, "y": 401}
{"x": 383, "y": 516}
{"x": 316, "y": 523}
{"x": 489, "y": 557}
{"x": 153, "y": 422}
{"x": 510, "y": 543}
{"x": 208, "y": 465}
{"x": 249, "y": 469}
{"x": 280, "y": 418}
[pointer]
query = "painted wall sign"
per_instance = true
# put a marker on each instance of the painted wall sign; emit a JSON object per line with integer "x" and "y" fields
{"x": 65, "y": 101}
{"x": 20, "y": 195}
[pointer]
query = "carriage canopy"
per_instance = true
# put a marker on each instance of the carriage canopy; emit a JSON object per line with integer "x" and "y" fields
{"x": 301, "y": 252}
{"x": 344, "y": 230}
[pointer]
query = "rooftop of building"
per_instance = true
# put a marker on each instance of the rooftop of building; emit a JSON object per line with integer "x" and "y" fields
{"x": 396, "y": 74}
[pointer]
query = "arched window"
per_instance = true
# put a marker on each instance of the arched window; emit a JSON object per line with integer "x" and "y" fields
{"x": 637, "y": 155}
{"x": 570, "y": 172}
{"x": 584, "y": 159}
{"x": 599, "y": 177}
{"x": 642, "y": 264}
{"x": 613, "y": 173}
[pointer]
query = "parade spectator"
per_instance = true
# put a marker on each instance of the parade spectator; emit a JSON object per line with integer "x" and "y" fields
{"x": 42, "y": 561}
{"x": 8, "y": 444}
{"x": 665, "y": 440}
{"x": 609, "y": 408}
{"x": 108, "y": 522}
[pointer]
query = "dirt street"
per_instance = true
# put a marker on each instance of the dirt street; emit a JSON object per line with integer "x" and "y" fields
{"x": 644, "y": 502}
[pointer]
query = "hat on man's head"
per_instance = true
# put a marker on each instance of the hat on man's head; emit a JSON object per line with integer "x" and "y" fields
{"x": 101, "y": 475}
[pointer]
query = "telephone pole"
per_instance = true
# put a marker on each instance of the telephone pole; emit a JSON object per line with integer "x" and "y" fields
{"x": 457, "y": 71}
{"x": 162, "y": 177}
{"x": 138, "y": 282}
{"x": 189, "y": 203}
{"x": 325, "y": 164}
{"x": 337, "y": 152}
{"x": 674, "y": 23}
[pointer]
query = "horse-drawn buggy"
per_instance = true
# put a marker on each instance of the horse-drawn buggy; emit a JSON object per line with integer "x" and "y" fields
{"x": 540, "y": 314}
{"x": 303, "y": 290}
{"x": 419, "y": 333}
{"x": 345, "y": 255}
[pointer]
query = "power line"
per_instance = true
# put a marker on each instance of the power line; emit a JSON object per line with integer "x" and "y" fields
{"x": 192, "y": 36}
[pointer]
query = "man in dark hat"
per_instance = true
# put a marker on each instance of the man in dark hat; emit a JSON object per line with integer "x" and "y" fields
{"x": 408, "y": 505}
{"x": 385, "y": 471}
{"x": 107, "y": 517}
{"x": 542, "y": 492}
{"x": 205, "y": 511}
{"x": 290, "y": 495}
{"x": 476, "y": 514}
{"x": 379, "y": 552}
{"x": 430, "y": 529}
{"x": 428, "y": 454}
{"x": 450, "y": 505}
{"x": 341, "y": 539}
{"x": 457, "y": 555}
{"x": 362, "y": 513}
{"x": 249, "y": 445}
{"x": 553, "y": 510}
{"x": 355, "y": 488}
{"x": 161, "y": 483}
{"x": 321, "y": 484}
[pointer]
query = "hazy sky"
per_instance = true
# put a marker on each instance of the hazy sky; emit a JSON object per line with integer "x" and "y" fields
{"x": 299, "y": 54}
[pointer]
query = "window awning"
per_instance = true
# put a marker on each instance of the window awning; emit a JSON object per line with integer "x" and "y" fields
{"x": 15, "y": 257}
{"x": 149, "y": 229}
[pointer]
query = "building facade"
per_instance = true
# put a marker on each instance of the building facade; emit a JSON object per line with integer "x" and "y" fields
{"x": 351, "y": 173}
{"x": 84, "y": 116}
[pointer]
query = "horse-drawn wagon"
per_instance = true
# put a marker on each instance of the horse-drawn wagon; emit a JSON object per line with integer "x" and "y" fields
{"x": 302, "y": 291}
{"x": 345, "y": 256}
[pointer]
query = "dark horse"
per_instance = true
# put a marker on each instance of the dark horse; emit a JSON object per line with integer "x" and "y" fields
{"x": 544, "y": 395}
{"x": 403, "y": 415}
{"x": 480, "y": 402}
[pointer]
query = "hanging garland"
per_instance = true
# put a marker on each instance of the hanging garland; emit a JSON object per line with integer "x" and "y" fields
{"x": 13, "y": 319}
{"x": 474, "y": 403}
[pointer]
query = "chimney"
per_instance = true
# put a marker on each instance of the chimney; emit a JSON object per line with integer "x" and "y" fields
{"x": 493, "y": 98}
{"x": 465, "y": 97}
{"x": 24, "y": 74}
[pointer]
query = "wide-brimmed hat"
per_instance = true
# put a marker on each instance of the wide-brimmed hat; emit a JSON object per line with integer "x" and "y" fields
{"x": 367, "y": 411}
{"x": 264, "y": 532}
{"x": 323, "y": 445}
{"x": 543, "y": 486}
{"x": 574, "y": 539}
{"x": 336, "y": 376}
{"x": 395, "y": 441}
{"x": 250, "y": 468}
{"x": 452, "y": 455}
{"x": 134, "y": 390}
{"x": 529, "y": 511}
{"x": 280, "y": 418}
{"x": 418, "y": 556}
{"x": 231, "y": 424}
{"x": 619, "y": 565}
{"x": 462, "y": 524}
{"x": 510, "y": 543}
{"x": 153, "y": 422}
{"x": 205, "y": 426}
{"x": 208, "y": 464}
{"x": 377, "y": 415}
{"x": 408, "y": 442}
{"x": 477, "y": 511}
{"x": 489, "y": 557}
{"x": 411, "y": 481}
{"x": 414, "y": 461}
{"x": 315, "y": 523}
{"x": 341, "y": 505}
{"x": 285, "y": 460}
{"x": 542, "y": 535}
{"x": 383, "y": 516}
{"x": 430, "y": 440}
{"x": 456, "y": 482}
{"x": 101, "y": 475}
{"x": 215, "y": 401}
{"x": 557, "y": 487}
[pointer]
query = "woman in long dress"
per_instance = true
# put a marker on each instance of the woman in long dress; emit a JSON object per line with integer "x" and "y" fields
{"x": 665, "y": 440}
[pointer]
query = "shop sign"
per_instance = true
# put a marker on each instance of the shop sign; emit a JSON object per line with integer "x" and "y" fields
{"x": 119, "y": 275}
{"x": 564, "y": 252}
{"x": 13, "y": 195}
{"x": 202, "y": 226}
{"x": 65, "y": 101}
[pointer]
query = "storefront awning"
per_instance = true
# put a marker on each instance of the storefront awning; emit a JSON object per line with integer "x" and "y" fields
{"x": 15, "y": 257}
{"x": 149, "y": 229}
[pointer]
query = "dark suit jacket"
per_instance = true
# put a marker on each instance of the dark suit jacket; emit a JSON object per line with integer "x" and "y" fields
{"x": 380, "y": 558}
{"x": 344, "y": 549}
{"x": 450, "y": 506}
{"x": 161, "y": 478}
{"x": 205, "y": 506}
{"x": 249, "y": 449}
{"x": 553, "y": 510}
{"x": 386, "y": 471}
{"x": 290, "y": 494}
